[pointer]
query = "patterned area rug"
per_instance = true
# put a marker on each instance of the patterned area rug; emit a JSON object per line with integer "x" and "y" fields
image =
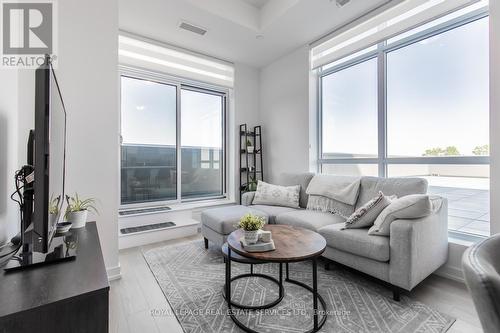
{"x": 192, "y": 279}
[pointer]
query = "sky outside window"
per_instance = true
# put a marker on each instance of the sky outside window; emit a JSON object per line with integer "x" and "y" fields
{"x": 148, "y": 112}
{"x": 437, "y": 97}
{"x": 349, "y": 100}
{"x": 438, "y": 93}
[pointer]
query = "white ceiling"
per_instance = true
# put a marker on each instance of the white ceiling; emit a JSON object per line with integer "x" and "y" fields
{"x": 233, "y": 25}
{"x": 257, "y": 3}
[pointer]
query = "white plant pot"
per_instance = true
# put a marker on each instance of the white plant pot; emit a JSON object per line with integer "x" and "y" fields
{"x": 251, "y": 237}
{"x": 78, "y": 219}
{"x": 250, "y": 149}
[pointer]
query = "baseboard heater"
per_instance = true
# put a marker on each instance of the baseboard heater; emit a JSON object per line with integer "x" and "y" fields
{"x": 147, "y": 227}
{"x": 144, "y": 210}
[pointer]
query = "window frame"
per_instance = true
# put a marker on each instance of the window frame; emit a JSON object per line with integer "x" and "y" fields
{"x": 180, "y": 83}
{"x": 380, "y": 53}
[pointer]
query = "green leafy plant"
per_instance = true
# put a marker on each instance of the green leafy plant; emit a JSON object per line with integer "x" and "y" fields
{"x": 251, "y": 222}
{"x": 481, "y": 150}
{"x": 438, "y": 151}
{"x": 252, "y": 184}
{"x": 75, "y": 204}
{"x": 54, "y": 204}
{"x": 249, "y": 143}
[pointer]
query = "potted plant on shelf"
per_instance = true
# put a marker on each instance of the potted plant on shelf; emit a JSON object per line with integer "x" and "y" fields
{"x": 251, "y": 224}
{"x": 78, "y": 209}
{"x": 250, "y": 147}
{"x": 252, "y": 184}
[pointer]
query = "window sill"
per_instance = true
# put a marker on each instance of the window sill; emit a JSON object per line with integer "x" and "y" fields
{"x": 177, "y": 207}
{"x": 461, "y": 239}
{"x": 201, "y": 204}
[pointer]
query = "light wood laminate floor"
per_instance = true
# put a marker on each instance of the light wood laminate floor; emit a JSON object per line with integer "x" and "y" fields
{"x": 136, "y": 294}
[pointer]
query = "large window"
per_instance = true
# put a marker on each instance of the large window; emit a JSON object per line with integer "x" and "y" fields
{"x": 350, "y": 106}
{"x": 202, "y": 143}
{"x": 417, "y": 105}
{"x": 172, "y": 141}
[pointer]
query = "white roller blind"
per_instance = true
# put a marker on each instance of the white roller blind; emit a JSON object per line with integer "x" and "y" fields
{"x": 138, "y": 53}
{"x": 402, "y": 17}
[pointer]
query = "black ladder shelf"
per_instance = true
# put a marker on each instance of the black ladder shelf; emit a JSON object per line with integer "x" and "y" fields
{"x": 251, "y": 168}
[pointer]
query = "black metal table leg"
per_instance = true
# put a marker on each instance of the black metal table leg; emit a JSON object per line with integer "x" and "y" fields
{"x": 226, "y": 289}
{"x": 281, "y": 279}
{"x": 228, "y": 278}
{"x": 318, "y": 320}
{"x": 315, "y": 293}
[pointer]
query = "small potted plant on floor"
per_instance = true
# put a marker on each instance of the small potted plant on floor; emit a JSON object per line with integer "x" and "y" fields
{"x": 251, "y": 224}
{"x": 250, "y": 147}
{"x": 78, "y": 209}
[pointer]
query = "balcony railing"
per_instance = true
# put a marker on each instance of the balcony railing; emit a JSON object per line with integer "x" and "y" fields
{"x": 149, "y": 173}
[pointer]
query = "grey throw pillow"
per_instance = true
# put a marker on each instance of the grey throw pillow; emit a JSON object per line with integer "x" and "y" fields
{"x": 276, "y": 195}
{"x": 365, "y": 215}
{"x": 412, "y": 206}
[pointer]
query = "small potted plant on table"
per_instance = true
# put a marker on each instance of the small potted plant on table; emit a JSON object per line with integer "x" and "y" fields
{"x": 78, "y": 209}
{"x": 251, "y": 224}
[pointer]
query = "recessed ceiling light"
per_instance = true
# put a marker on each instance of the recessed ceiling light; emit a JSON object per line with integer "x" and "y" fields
{"x": 140, "y": 107}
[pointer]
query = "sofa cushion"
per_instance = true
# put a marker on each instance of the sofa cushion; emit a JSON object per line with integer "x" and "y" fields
{"x": 224, "y": 220}
{"x": 273, "y": 211}
{"x": 276, "y": 195}
{"x": 370, "y": 186}
{"x": 309, "y": 219}
{"x": 356, "y": 241}
{"x": 302, "y": 179}
{"x": 412, "y": 206}
{"x": 365, "y": 215}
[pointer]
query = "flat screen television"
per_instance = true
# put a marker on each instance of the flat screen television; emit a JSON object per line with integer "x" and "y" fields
{"x": 49, "y": 157}
{"x": 44, "y": 178}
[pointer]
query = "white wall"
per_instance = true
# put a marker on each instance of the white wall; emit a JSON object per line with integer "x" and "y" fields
{"x": 87, "y": 73}
{"x": 494, "y": 115}
{"x": 244, "y": 110}
{"x": 246, "y": 93}
{"x": 9, "y": 216}
{"x": 284, "y": 111}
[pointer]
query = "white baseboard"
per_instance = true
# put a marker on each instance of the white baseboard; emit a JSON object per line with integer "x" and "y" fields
{"x": 114, "y": 273}
{"x": 452, "y": 273}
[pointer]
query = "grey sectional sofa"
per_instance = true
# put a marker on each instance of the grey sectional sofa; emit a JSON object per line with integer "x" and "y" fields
{"x": 414, "y": 249}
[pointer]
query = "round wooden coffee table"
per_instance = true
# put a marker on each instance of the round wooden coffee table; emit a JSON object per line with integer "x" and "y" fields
{"x": 293, "y": 244}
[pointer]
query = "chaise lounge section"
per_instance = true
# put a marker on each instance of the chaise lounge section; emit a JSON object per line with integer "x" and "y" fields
{"x": 414, "y": 249}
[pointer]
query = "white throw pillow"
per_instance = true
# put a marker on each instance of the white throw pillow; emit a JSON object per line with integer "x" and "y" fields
{"x": 365, "y": 215}
{"x": 276, "y": 195}
{"x": 412, "y": 206}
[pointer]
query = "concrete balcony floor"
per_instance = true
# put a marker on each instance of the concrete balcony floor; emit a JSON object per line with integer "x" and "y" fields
{"x": 468, "y": 209}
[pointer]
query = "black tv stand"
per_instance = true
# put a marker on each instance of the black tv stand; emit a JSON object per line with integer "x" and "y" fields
{"x": 62, "y": 248}
{"x": 70, "y": 297}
